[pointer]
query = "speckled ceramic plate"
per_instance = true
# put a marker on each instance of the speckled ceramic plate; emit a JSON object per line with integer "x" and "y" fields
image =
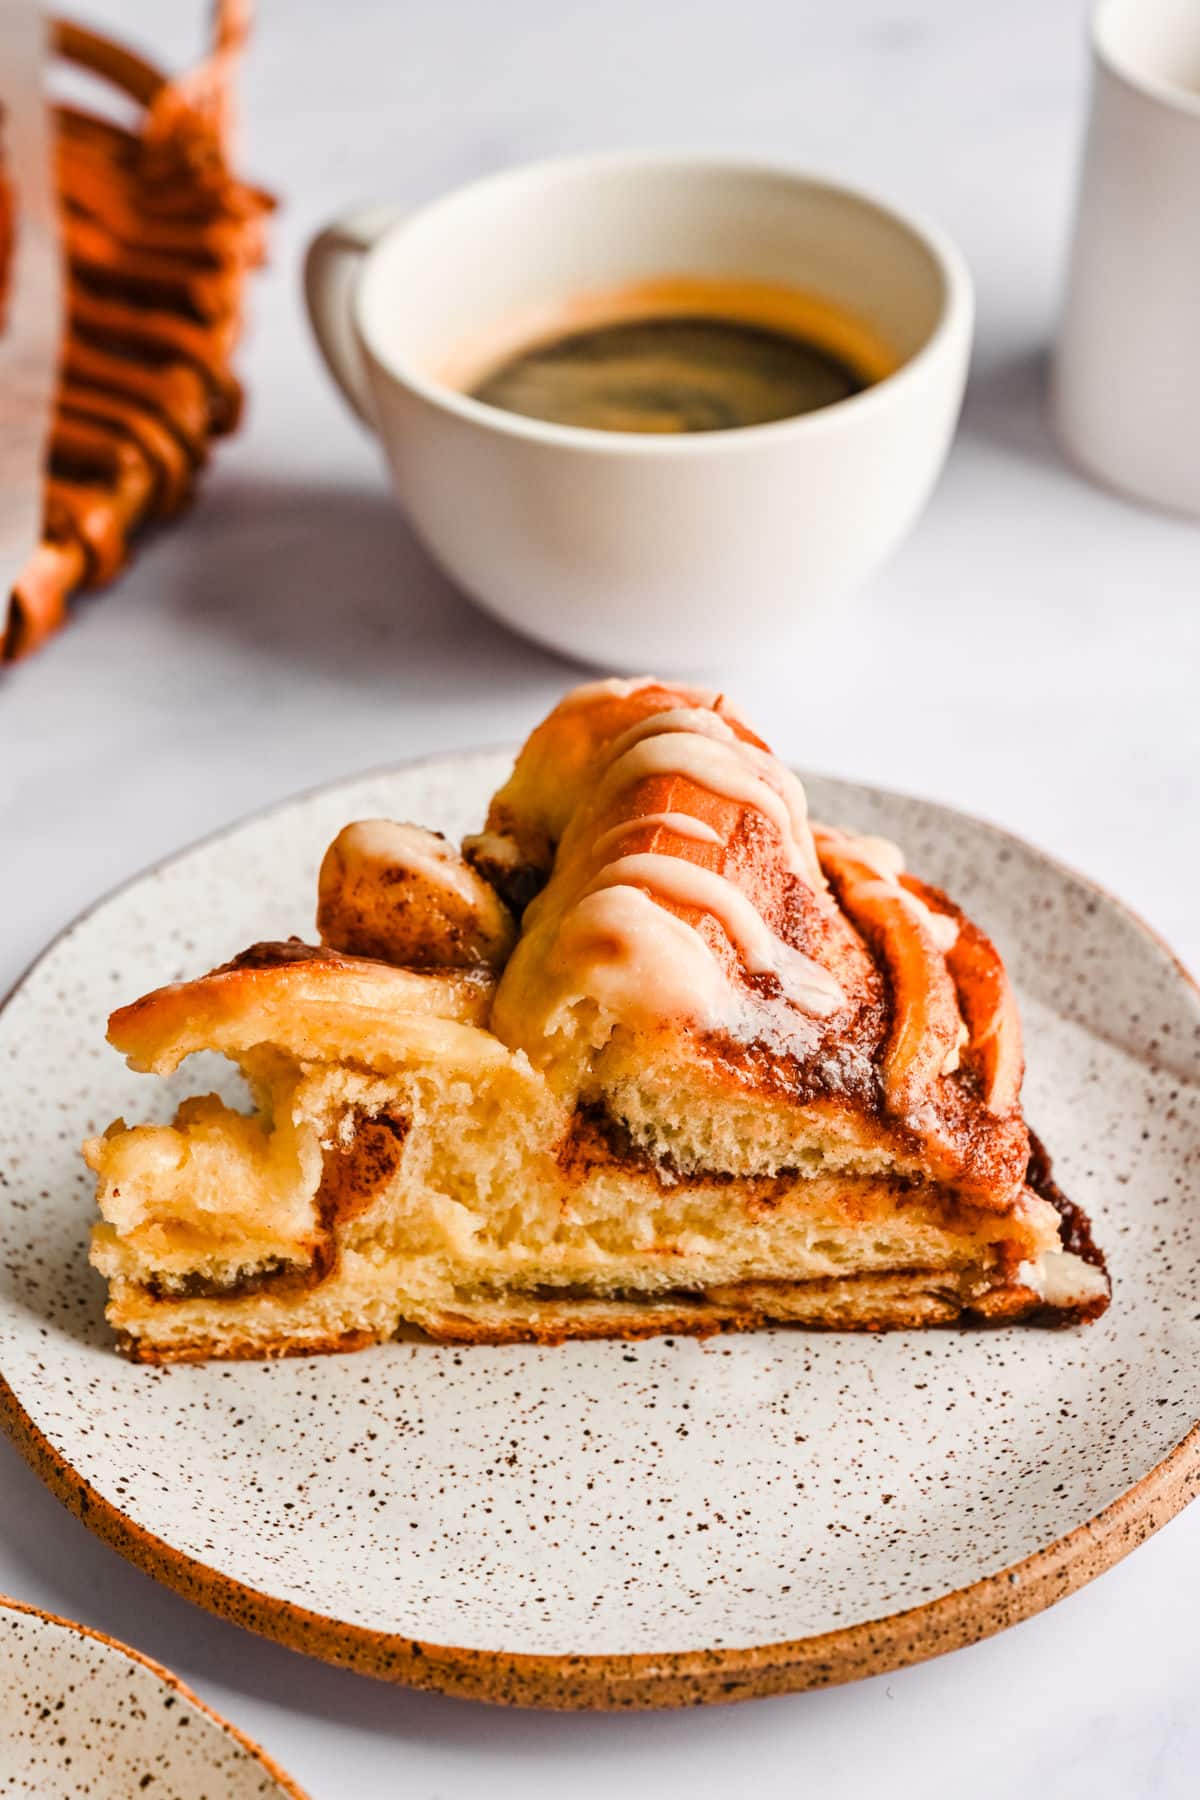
{"x": 605, "y": 1524}
{"x": 81, "y": 1714}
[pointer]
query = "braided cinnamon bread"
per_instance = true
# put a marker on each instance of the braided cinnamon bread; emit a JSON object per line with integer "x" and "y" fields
{"x": 731, "y": 1069}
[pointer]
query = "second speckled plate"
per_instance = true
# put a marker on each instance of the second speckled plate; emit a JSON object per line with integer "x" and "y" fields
{"x": 81, "y": 1714}
{"x": 601, "y": 1524}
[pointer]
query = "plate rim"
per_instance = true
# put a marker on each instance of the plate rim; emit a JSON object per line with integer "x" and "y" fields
{"x": 608, "y": 1681}
{"x": 9, "y": 1604}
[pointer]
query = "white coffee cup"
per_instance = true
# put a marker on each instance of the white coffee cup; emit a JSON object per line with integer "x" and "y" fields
{"x": 645, "y": 551}
{"x": 1126, "y": 383}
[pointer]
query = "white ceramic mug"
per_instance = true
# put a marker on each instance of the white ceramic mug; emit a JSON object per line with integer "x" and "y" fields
{"x": 645, "y": 551}
{"x": 1126, "y": 386}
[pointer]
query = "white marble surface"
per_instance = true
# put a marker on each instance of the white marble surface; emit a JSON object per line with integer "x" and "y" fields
{"x": 1031, "y": 654}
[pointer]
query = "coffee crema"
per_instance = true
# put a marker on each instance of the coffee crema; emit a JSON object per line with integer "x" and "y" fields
{"x": 676, "y": 355}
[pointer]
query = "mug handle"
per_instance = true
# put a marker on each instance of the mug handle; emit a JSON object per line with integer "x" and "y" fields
{"x": 330, "y": 276}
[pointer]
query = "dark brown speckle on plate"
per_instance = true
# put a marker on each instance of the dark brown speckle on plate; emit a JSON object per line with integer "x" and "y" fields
{"x": 84, "y": 1716}
{"x": 601, "y": 1524}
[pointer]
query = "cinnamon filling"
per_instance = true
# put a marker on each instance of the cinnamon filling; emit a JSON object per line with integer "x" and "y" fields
{"x": 273, "y": 1272}
{"x": 596, "y": 1139}
{"x": 952, "y": 1285}
{"x": 1076, "y": 1231}
{"x": 367, "y": 1156}
{"x": 356, "y": 1167}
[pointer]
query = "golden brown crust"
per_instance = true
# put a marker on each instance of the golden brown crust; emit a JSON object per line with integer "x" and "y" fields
{"x": 232, "y": 1349}
{"x": 557, "y": 764}
{"x": 911, "y": 1299}
{"x": 402, "y": 894}
{"x": 278, "y": 953}
{"x": 303, "y": 996}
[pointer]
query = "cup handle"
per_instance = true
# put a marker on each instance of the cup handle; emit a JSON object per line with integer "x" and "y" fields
{"x": 330, "y": 274}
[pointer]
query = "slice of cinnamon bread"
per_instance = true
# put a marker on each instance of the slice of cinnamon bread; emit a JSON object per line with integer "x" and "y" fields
{"x": 730, "y": 1069}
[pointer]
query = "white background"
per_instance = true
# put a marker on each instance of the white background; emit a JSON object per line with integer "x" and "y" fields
{"x": 1031, "y": 655}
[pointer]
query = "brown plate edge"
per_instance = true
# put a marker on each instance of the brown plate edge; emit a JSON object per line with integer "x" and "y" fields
{"x": 603, "y": 1683}
{"x": 598, "y": 1683}
{"x": 169, "y": 1679}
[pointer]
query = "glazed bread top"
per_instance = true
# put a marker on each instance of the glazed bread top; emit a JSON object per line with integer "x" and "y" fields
{"x": 690, "y": 912}
{"x": 313, "y": 1003}
{"x": 683, "y": 886}
{"x": 736, "y": 989}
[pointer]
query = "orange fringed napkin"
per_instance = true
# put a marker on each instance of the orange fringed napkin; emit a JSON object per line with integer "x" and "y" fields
{"x": 158, "y": 235}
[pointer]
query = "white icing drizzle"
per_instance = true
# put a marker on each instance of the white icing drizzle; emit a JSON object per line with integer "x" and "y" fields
{"x": 1062, "y": 1278}
{"x": 631, "y": 955}
{"x": 616, "y": 687}
{"x": 940, "y": 926}
{"x": 786, "y": 806}
{"x": 677, "y": 718}
{"x": 791, "y": 790}
{"x": 887, "y": 861}
{"x": 642, "y": 963}
{"x": 714, "y": 765}
{"x": 807, "y": 984}
{"x": 682, "y": 824}
{"x": 942, "y": 929}
{"x": 880, "y": 854}
{"x": 412, "y": 847}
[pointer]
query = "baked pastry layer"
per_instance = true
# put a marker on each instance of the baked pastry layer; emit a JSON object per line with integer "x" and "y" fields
{"x": 729, "y": 1070}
